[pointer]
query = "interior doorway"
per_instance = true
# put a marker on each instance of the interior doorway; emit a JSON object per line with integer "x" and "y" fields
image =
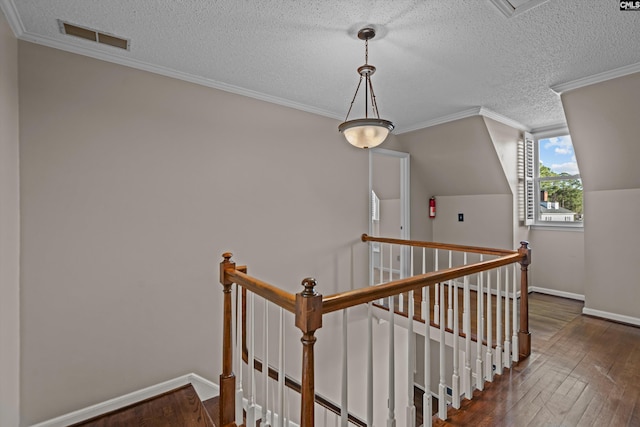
{"x": 389, "y": 205}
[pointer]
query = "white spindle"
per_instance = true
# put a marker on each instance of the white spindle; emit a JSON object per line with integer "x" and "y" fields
{"x": 369, "y": 365}
{"x": 514, "y": 337}
{"x": 468, "y": 390}
{"x": 479, "y": 331}
{"x": 426, "y": 399}
{"x": 507, "y": 317}
{"x": 251, "y": 383}
{"x": 411, "y": 355}
{"x": 436, "y": 302}
{"x": 281, "y": 371}
{"x": 344, "y": 420}
{"x": 391, "y": 420}
{"x": 455, "y": 377}
{"x": 498, "y": 355}
{"x": 450, "y": 299}
{"x": 265, "y": 366}
{"x": 390, "y": 276}
{"x": 238, "y": 356}
{"x": 488, "y": 361}
{"x": 442, "y": 386}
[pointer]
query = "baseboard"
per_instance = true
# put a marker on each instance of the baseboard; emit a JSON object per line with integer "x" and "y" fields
{"x": 612, "y": 316}
{"x": 205, "y": 389}
{"x": 557, "y": 293}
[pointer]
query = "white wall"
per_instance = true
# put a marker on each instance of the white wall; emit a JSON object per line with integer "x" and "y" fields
{"x": 9, "y": 230}
{"x": 133, "y": 185}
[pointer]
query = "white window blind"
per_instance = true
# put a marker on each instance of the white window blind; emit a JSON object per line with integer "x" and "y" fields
{"x": 526, "y": 170}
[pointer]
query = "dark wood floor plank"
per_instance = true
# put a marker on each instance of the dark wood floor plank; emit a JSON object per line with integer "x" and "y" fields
{"x": 178, "y": 407}
{"x": 583, "y": 371}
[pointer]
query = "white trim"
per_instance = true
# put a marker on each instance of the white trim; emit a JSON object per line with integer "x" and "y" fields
{"x": 13, "y": 18}
{"x": 612, "y": 316}
{"x": 596, "y": 78}
{"x": 104, "y": 54}
{"x": 509, "y": 11}
{"x": 550, "y": 131}
{"x": 470, "y": 112}
{"x": 556, "y": 293}
{"x": 205, "y": 389}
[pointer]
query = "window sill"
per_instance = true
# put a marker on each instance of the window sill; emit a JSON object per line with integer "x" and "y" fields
{"x": 563, "y": 227}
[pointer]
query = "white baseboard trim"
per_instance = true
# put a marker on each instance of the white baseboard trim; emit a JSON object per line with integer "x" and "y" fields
{"x": 612, "y": 316}
{"x": 557, "y": 293}
{"x": 205, "y": 389}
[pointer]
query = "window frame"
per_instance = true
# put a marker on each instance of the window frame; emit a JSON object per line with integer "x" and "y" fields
{"x": 537, "y": 179}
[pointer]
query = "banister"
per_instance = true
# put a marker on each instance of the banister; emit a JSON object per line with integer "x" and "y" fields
{"x": 355, "y": 297}
{"x": 435, "y": 245}
{"x": 267, "y": 291}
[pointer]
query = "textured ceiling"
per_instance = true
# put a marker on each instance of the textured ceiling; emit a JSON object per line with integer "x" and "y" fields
{"x": 435, "y": 59}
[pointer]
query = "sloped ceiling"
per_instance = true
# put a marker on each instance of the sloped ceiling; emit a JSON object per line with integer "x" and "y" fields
{"x": 436, "y": 60}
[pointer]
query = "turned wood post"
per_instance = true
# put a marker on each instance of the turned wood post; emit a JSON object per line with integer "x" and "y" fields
{"x": 308, "y": 319}
{"x": 524, "y": 336}
{"x": 227, "y": 378}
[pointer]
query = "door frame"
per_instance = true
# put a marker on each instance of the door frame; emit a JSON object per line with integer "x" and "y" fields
{"x": 405, "y": 204}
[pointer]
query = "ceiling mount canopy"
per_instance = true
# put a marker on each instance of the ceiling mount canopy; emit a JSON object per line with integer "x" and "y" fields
{"x": 368, "y": 132}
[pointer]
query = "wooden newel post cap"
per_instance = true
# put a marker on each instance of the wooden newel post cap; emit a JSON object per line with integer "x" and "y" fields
{"x": 526, "y": 251}
{"x": 225, "y": 265}
{"x": 309, "y": 307}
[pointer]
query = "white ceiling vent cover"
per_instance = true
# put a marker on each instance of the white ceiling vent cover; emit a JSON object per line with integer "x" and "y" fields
{"x": 93, "y": 35}
{"x": 514, "y": 7}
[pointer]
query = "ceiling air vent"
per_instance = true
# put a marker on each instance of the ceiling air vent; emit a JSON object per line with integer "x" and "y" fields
{"x": 93, "y": 35}
{"x": 514, "y": 7}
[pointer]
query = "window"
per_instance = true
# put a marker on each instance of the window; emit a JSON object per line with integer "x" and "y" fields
{"x": 558, "y": 186}
{"x": 550, "y": 184}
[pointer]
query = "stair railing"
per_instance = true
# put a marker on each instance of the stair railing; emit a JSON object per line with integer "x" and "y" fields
{"x": 308, "y": 308}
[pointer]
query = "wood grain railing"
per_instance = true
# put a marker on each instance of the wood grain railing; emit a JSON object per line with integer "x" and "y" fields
{"x": 309, "y": 307}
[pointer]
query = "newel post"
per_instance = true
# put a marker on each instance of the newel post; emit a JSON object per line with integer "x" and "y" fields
{"x": 227, "y": 378}
{"x": 524, "y": 336}
{"x": 308, "y": 319}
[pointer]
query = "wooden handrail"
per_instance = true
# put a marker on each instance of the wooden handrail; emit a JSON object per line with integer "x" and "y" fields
{"x": 267, "y": 291}
{"x": 355, "y": 297}
{"x": 435, "y": 245}
{"x": 309, "y": 307}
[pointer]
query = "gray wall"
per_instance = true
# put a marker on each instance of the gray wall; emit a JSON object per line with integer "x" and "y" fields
{"x": 133, "y": 184}
{"x": 604, "y": 127}
{"x": 9, "y": 229}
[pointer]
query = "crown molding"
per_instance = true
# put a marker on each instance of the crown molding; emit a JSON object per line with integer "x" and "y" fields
{"x": 596, "y": 78}
{"x": 551, "y": 130}
{"x": 106, "y": 55}
{"x": 470, "y": 112}
{"x": 509, "y": 11}
{"x": 8, "y": 7}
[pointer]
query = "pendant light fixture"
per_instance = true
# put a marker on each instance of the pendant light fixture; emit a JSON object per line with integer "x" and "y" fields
{"x": 368, "y": 132}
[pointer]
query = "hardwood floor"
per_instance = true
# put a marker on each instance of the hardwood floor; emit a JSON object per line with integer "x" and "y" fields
{"x": 582, "y": 371}
{"x": 179, "y": 407}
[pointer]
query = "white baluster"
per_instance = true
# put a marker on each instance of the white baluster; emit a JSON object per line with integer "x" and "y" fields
{"x": 488, "y": 361}
{"x": 239, "y": 415}
{"x": 251, "y": 383}
{"x": 455, "y": 377}
{"x": 436, "y": 302}
{"x": 442, "y": 386}
{"x": 479, "y": 331}
{"x": 498, "y": 355}
{"x": 515, "y": 354}
{"x": 369, "y": 365}
{"x": 345, "y": 374}
{"x": 391, "y": 420}
{"x": 427, "y": 410}
{"x": 468, "y": 390}
{"x": 450, "y": 298}
{"x": 507, "y": 325}
{"x": 265, "y": 366}
{"x": 411, "y": 355}
{"x": 281, "y": 371}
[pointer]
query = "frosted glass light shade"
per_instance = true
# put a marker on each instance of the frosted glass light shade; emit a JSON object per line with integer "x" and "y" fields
{"x": 366, "y": 133}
